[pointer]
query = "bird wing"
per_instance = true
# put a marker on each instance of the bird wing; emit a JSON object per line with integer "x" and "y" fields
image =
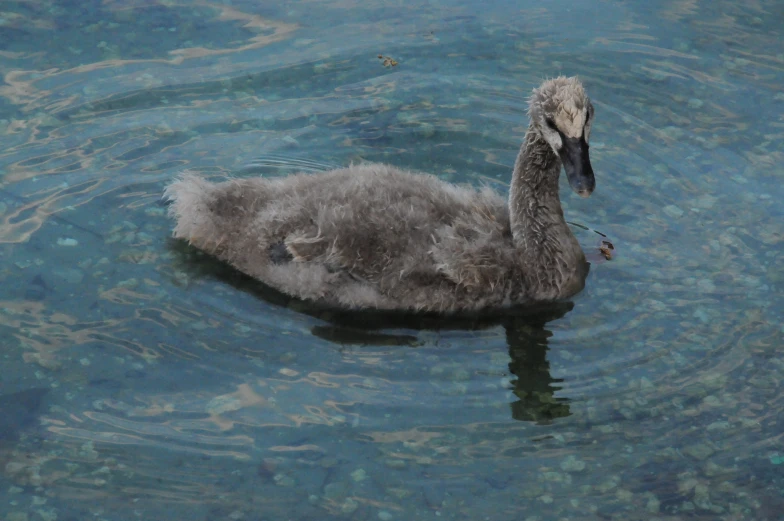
{"x": 473, "y": 252}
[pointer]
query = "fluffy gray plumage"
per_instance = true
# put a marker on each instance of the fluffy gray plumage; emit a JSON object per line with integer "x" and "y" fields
{"x": 376, "y": 236}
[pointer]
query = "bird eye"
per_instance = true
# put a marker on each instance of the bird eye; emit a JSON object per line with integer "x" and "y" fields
{"x": 551, "y": 124}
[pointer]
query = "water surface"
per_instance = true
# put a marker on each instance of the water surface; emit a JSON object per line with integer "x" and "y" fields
{"x": 179, "y": 389}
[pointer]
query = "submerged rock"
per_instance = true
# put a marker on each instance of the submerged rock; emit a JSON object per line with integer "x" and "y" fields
{"x": 19, "y": 412}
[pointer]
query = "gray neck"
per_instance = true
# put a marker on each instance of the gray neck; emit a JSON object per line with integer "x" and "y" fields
{"x": 551, "y": 256}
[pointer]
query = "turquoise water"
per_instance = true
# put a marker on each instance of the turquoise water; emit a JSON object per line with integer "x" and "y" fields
{"x": 143, "y": 380}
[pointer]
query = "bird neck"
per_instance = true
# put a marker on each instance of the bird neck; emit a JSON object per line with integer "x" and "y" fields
{"x": 534, "y": 203}
{"x": 539, "y": 230}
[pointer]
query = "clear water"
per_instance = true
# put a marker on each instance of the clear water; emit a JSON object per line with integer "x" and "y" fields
{"x": 157, "y": 384}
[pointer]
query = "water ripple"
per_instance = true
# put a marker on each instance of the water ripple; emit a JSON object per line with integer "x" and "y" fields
{"x": 177, "y": 381}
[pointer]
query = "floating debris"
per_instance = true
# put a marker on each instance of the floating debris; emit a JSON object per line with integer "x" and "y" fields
{"x": 388, "y": 61}
{"x": 607, "y": 249}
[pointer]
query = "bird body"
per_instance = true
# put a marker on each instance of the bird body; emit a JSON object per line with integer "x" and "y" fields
{"x": 376, "y": 236}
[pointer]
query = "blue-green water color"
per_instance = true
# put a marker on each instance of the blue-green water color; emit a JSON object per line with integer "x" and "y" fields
{"x": 180, "y": 389}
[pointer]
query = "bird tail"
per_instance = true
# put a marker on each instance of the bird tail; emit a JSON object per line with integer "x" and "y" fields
{"x": 192, "y": 200}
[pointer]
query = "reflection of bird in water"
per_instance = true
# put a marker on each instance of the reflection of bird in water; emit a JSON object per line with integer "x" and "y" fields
{"x": 525, "y": 330}
{"x": 534, "y": 386}
{"x": 526, "y": 338}
{"x": 373, "y": 236}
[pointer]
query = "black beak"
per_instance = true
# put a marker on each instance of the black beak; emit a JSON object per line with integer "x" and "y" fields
{"x": 574, "y": 156}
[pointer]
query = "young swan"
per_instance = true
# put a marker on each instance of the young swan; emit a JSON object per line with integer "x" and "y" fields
{"x": 376, "y": 236}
